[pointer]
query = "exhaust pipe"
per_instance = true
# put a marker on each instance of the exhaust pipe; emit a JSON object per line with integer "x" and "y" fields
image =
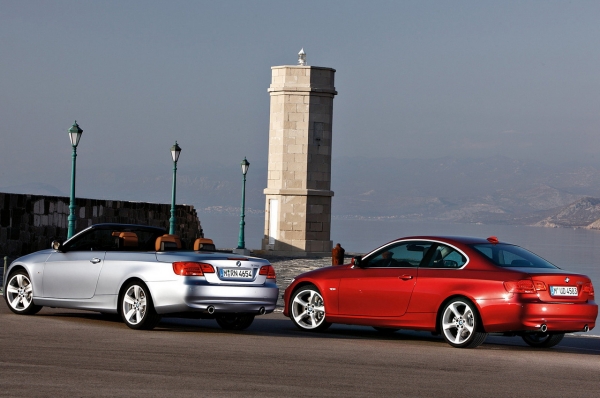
{"x": 543, "y": 328}
{"x": 262, "y": 312}
{"x": 586, "y": 328}
{"x": 211, "y": 309}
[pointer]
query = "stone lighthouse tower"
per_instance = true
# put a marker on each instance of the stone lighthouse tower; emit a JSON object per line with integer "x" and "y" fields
{"x": 298, "y": 193}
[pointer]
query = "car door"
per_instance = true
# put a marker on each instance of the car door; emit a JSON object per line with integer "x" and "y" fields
{"x": 73, "y": 273}
{"x": 383, "y": 285}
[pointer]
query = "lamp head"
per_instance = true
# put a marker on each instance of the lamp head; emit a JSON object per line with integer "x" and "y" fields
{"x": 75, "y": 134}
{"x": 175, "y": 151}
{"x": 245, "y": 165}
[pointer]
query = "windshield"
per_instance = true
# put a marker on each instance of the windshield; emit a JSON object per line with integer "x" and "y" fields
{"x": 505, "y": 255}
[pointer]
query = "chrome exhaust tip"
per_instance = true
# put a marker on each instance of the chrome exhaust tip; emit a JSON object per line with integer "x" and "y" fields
{"x": 261, "y": 311}
{"x": 586, "y": 328}
{"x": 211, "y": 309}
{"x": 543, "y": 328}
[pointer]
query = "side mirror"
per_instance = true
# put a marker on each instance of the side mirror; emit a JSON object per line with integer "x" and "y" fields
{"x": 357, "y": 261}
{"x": 56, "y": 245}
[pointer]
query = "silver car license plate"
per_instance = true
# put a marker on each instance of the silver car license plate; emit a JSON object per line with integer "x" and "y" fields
{"x": 563, "y": 291}
{"x": 236, "y": 273}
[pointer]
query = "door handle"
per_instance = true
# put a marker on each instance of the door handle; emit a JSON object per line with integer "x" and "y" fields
{"x": 405, "y": 277}
{"x": 95, "y": 260}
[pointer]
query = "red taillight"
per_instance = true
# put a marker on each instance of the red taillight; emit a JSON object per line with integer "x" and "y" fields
{"x": 539, "y": 285}
{"x": 267, "y": 270}
{"x": 188, "y": 268}
{"x": 589, "y": 289}
{"x": 522, "y": 286}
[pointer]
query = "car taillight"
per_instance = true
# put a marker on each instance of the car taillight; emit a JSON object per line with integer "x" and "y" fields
{"x": 189, "y": 268}
{"x": 539, "y": 285}
{"x": 267, "y": 270}
{"x": 589, "y": 289}
{"x": 522, "y": 286}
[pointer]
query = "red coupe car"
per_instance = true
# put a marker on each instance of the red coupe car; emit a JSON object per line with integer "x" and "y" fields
{"x": 462, "y": 288}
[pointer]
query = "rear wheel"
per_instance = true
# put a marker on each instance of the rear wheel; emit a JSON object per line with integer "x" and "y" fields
{"x": 308, "y": 309}
{"x": 235, "y": 321}
{"x": 460, "y": 324}
{"x": 19, "y": 294}
{"x": 137, "y": 310}
{"x": 542, "y": 340}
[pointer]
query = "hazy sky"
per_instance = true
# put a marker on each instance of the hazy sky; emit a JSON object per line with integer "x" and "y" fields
{"x": 416, "y": 79}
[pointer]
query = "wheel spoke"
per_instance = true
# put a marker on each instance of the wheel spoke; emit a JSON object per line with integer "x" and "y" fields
{"x": 320, "y": 309}
{"x": 15, "y": 302}
{"x": 457, "y": 338}
{"x": 298, "y": 300}
{"x": 136, "y": 292}
{"x": 454, "y": 309}
{"x": 128, "y": 299}
{"x": 313, "y": 321}
{"x": 20, "y": 280}
{"x": 11, "y": 289}
{"x": 25, "y": 302}
{"x": 138, "y": 315}
{"x": 28, "y": 288}
{"x": 447, "y": 326}
{"x": 129, "y": 315}
{"x": 300, "y": 317}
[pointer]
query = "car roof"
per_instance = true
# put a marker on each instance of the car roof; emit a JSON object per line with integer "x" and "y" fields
{"x": 468, "y": 240}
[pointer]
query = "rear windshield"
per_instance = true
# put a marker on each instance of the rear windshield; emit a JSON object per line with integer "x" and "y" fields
{"x": 505, "y": 255}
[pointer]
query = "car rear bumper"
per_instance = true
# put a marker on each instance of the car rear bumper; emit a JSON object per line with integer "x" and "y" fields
{"x": 194, "y": 296}
{"x": 558, "y": 317}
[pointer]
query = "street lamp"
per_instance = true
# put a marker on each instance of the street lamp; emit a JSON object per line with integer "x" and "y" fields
{"x": 241, "y": 244}
{"x": 175, "y": 151}
{"x": 74, "y": 136}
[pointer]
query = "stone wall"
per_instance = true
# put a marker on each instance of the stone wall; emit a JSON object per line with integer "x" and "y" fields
{"x": 31, "y": 222}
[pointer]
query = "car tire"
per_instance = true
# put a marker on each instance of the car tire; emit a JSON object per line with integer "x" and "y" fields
{"x": 385, "y": 330}
{"x": 307, "y": 309}
{"x": 19, "y": 294}
{"x": 136, "y": 308}
{"x": 460, "y": 324}
{"x": 235, "y": 321}
{"x": 542, "y": 340}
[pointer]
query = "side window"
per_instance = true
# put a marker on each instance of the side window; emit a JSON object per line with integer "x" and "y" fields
{"x": 94, "y": 240}
{"x": 446, "y": 257}
{"x": 401, "y": 255}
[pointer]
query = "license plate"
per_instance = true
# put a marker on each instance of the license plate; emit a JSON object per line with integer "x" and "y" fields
{"x": 236, "y": 273}
{"x": 563, "y": 291}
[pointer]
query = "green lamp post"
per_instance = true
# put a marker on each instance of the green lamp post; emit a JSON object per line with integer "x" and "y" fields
{"x": 74, "y": 136}
{"x": 241, "y": 243}
{"x": 175, "y": 151}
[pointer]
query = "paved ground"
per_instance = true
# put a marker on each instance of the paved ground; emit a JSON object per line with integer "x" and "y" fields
{"x": 67, "y": 353}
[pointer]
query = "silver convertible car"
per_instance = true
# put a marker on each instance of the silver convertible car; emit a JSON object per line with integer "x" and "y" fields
{"x": 141, "y": 273}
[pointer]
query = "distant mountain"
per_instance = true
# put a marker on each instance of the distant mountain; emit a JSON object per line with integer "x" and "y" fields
{"x": 491, "y": 190}
{"x": 584, "y": 213}
{"x": 495, "y": 189}
{"x": 34, "y": 188}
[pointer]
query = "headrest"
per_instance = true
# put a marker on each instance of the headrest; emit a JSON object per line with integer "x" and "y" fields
{"x": 128, "y": 239}
{"x": 204, "y": 244}
{"x": 167, "y": 242}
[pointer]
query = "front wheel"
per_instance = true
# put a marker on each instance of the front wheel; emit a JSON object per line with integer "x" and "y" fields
{"x": 542, "y": 340}
{"x": 460, "y": 324}
{"x": 19, "y": 294}
{"x": 235, "y": 321}
{"x": 308, "y": 309}
{"x": 137, "y": 310}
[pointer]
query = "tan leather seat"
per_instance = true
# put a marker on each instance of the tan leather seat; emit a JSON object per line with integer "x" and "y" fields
{"x": 204, "y": 244}
{"x": 167, "y": 242}
{"x": 128, "y": 240}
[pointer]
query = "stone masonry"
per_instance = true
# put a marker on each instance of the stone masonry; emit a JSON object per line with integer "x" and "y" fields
{"x": 298, "y": 189}
{"x": 31, "y": 222}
